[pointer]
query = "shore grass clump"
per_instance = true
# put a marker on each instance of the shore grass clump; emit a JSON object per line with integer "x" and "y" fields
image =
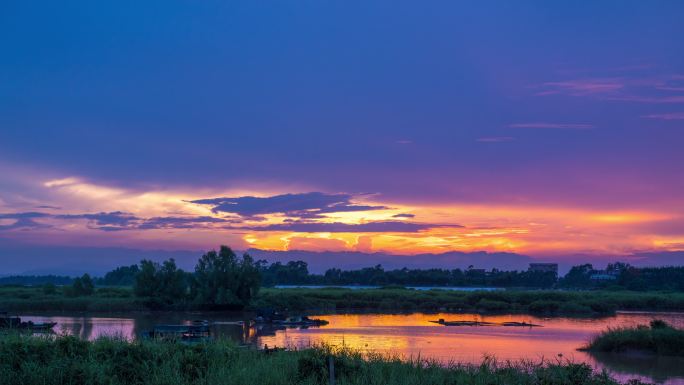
{"x": 62, "y": 360}
{"x": 658, "y": 338}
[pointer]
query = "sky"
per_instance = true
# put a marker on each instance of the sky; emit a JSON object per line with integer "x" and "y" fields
{"x": 401, "y": 127}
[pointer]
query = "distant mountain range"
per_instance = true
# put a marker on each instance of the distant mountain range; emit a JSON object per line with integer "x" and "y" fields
{"x": 62, "y": 260}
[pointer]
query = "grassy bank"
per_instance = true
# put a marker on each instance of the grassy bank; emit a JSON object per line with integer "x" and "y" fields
{"x": 68, "y": 360}
{"x": 581, "y": 303}
{"x": 29, "y": 299}
{"x": 535, "y": 302}
{"x": 657, "y": 338}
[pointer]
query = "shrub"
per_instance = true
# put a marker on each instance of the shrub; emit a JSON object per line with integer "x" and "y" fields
{"x": 543, "y": 306}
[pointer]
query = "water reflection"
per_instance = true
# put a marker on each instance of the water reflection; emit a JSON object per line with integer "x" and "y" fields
{"x": 411, "y": 335}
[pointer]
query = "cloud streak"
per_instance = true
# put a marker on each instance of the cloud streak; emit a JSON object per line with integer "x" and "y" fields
{"x": 304, "y": 205}
{"x": 337, "y": 227}
{"x": 666, "y": 116}
{"x": 547, "y": 125}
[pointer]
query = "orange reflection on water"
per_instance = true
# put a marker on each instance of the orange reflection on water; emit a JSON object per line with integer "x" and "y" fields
{"x": 413, "y": 335}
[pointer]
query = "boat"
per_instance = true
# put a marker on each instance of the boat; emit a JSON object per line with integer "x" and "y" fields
{"x": 441, "y": 321}
{"x": 14, "y": 322}
{"x": 179, "y": 332}
{"x": 520, "y": 324}
{"x": 301, "y": 321}
{"x": 7, "y": 321}
{"x": 269, "y": 316}
{"x": 41, "y": 326}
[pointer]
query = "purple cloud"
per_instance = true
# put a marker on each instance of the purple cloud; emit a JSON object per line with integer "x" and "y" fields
{"x": 180, "y": 222}
{"x": 564, "y": 126}
{"x": 23, "y": 224}
{"x": 495, "y": 139}
{"x": 337, "y": 227}
{"x": 112, "y": 221}
{"x": 666, "y": 116}
{"x": 305, "y": 205}
{"x": 583, "y": 87}
{"x": 403, "y": 216}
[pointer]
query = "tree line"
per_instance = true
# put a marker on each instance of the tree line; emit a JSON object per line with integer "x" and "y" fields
{"x": 617, "y": 275}
{"x": 224, "y": 279}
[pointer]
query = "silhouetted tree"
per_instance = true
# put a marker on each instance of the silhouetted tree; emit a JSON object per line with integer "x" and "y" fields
{"x": 224, "y": 279}
{"x": 166, "y": 282}
{"x": 82, "y": 285}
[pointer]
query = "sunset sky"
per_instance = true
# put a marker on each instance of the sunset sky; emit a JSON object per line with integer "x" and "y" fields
{"x": 534, "y": 127}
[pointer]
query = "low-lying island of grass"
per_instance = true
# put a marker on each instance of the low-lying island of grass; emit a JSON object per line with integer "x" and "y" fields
{"x": 68, "y": 360}
{"x": 542, "y": 302}
{"x": 657, "y": 338}
{"x": 546, "y": 302}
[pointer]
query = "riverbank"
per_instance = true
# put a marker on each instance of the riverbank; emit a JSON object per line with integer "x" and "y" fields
{"x": 69, "y": 360}
{"x": 540, "y": 302}
{"x": 658, "y": 338}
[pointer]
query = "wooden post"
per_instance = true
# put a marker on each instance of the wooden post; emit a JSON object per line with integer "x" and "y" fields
{"x": 331, "y": 367}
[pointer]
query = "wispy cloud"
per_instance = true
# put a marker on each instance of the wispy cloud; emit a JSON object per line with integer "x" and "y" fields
{"x": 666, "y": 116}
{"x": 337, "y": 227}
{"x": 635, "y": 87}
{"x": 583, "y": 87}
{"x": 495, "y": 139}
{"x": 564, "y": 126}
{"x": 403, "y": 216}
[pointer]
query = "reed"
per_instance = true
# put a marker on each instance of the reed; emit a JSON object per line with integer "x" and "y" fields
{"x": 542, "y": 302}
{"x": 67, "y": 360}
{"x": 657, "y": 338}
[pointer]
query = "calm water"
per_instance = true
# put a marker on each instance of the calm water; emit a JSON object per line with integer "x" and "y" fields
{"x": 412, "y": 334}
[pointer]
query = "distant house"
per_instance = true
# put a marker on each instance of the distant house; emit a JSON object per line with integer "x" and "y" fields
{"x": 543, "y": 268}
{"x": 603, "y": 275}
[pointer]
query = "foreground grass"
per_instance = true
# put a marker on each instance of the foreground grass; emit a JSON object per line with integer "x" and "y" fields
{"x": 546, "y": 302}
{"x": 657, "y": 338}
{"x": 68, "y": 360}
{"x": 519, "y": 301}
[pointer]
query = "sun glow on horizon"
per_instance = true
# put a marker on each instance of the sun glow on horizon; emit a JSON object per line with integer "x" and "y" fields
{"x": 95, "y": 213}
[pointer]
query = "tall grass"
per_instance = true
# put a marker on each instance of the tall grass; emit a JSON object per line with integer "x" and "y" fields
{"x": 68, "y": 360}
{"x": 382, "y": 300}
{"x": 657, "y": 338}
{"x": 536, "y": 302}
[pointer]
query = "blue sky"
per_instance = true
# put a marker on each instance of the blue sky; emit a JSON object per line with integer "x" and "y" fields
{"x": 558, "y": 123}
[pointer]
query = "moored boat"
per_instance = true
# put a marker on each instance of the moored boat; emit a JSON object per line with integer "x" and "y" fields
{"x": 441, "y": 321}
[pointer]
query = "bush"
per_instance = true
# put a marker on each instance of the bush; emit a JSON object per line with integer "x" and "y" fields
{"x": 544, "y": 307}
{"x": 49, "y": 289}
{"x": 492, "y": 305}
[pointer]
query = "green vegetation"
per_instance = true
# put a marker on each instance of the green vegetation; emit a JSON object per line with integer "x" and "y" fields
{"x": 29, "y": 299}
{"x": 81, "y": 286}
{"x": 542, "y": 302}
{"x": 657, "y": 338}
{"x": 536, "y": 302}
{"x": 223, "y": 279}
{"x": 69, "y": 360}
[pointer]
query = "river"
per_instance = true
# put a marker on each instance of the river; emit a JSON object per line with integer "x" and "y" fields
{"x": 413, "y": 335}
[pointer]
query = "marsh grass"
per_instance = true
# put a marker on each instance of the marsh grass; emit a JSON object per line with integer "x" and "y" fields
{"x": 69, "y": 360}
{"x": 657, "y": 338}
{"x": 546, "y": 302}
{"x": 542, "y": 302}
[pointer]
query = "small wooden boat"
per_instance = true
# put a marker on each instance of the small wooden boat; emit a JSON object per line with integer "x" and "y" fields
{"x": 41, "y": 326}
{"x": 441, "y": 321}
{"x": 13, "y": 322}
{"x": 301, "y": 321}
{"x": 520, "y": 324}
{"x": 179, "y": 332}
